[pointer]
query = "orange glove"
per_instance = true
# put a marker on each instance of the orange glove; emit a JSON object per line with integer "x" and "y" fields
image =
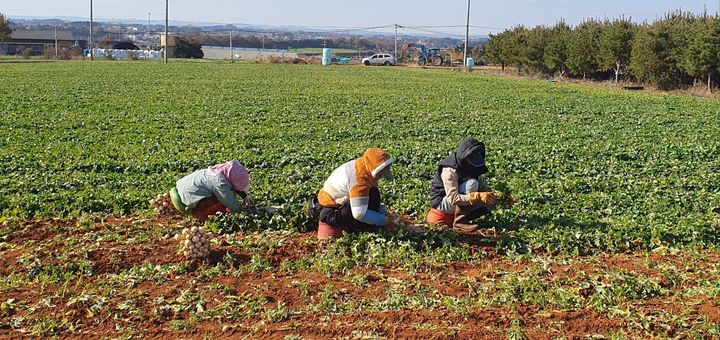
{"x": 484, "y": 197}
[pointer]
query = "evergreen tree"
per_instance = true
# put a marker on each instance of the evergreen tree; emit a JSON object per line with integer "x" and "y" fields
{"x": 515, "y": 47}
{"x": 533, "y": 55}
{"x": 616, "y": 44}
{"x": 5, "y": 30}
{"x": 583, "y": 48}
{"x": 672, "y": 52}
{"x": 652, "y": 57}
{"x": 557, "y": 48}
{"x": 701, "y": 57}
{"x": 497, "y": 49}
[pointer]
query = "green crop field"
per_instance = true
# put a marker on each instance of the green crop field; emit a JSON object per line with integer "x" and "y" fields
{"x": 601, "y": 176}
{"x": 593, "y": 168}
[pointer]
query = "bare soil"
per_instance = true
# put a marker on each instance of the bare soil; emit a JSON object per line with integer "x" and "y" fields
{"x": 46, "y": 240}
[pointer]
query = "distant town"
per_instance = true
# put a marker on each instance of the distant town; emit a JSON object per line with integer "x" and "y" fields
{"x": 35, "y": 36}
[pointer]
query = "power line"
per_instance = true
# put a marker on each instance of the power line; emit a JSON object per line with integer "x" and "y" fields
{"x": 489, "y": 28}
{"x": 432, "y": 31}
{"x": 446, "y": 34}
{"x": 123, "y": 4}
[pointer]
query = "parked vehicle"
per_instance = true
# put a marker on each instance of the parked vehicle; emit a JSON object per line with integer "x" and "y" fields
{"x": 379, "y": 59}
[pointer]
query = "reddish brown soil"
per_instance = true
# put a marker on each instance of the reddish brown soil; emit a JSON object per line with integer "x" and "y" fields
{"x": 46, "y": 241}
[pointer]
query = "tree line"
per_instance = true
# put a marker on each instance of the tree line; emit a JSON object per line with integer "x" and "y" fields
{"x": 682, "y": 49}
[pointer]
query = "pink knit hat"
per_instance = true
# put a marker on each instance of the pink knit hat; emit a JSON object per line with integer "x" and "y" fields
{"x": 235, "y": 173}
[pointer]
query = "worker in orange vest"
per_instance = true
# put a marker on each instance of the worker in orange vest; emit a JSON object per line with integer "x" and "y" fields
{"x": 350, "y": 197}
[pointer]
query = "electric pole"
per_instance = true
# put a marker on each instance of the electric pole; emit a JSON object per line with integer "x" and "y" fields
{"x": 396, "y": 28}
{"x": 232, "y": 55}
{"x": 90, "y": 41}
{"x": 166, "y": 31}
{"x": 56, "y": 45}
{"x": 467, "y": 36}
{"x": 148, "y": 26}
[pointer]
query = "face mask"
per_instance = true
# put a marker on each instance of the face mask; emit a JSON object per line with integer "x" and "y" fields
{"x": 387, "y": 173}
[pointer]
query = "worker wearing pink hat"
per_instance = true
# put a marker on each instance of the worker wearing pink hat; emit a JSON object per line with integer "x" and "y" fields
{"x": 215, "y": 189}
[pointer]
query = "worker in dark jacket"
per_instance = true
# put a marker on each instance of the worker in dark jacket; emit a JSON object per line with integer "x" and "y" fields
{"x": 459, "y": 191}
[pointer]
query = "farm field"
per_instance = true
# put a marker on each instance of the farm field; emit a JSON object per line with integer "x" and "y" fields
{"x": 615, "y": 233}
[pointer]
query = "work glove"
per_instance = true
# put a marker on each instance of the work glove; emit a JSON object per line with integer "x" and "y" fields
{"x": 484, "y": 197}
{"x": 249, "y": 202}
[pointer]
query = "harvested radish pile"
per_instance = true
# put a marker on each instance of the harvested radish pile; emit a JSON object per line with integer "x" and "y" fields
{"x": 163, "y": 205}
{"x": 195, "y": 242}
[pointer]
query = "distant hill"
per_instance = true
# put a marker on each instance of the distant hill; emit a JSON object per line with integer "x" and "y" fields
{"x": 31, "y": 22}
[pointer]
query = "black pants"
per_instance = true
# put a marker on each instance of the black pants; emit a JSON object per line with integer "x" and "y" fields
{"x": 342, "y": 216}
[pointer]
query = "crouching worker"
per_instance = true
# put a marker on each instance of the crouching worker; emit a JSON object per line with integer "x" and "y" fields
{"x": 215, "y": 189}
{"x": 350, "y": 198}
{"x": 459, "y": 192}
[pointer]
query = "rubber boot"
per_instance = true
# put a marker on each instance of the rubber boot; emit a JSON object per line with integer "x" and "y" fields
{"x": 462, "y": 220}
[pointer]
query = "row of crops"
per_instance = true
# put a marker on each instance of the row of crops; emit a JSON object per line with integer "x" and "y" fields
{"x": 594, "y": 169}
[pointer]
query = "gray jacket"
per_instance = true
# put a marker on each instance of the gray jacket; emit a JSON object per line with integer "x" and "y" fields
{"x": 202, "y": 184}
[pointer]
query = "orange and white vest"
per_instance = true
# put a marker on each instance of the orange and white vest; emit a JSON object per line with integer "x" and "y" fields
{"x": 352, "y": 181}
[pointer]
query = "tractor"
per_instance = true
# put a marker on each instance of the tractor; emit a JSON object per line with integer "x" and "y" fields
{"x": 434, "y": 56}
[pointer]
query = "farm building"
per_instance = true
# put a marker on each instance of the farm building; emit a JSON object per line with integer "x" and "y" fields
{"x": 38, "y": 41}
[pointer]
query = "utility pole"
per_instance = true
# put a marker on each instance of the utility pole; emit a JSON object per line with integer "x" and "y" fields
{"x": 232, "y": 54}
{"x": 166, "y": 31}
{"x": 90, "y": 41}
{"x": 467, "y": 36}
{"x": 148, "y": 26}
{"x": 56, "y": 45}
{"x": 396, "y": 28}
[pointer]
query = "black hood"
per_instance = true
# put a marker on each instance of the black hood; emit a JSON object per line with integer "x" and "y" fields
{"x": 468, "y": 147}
{"x": 464, "y": 170}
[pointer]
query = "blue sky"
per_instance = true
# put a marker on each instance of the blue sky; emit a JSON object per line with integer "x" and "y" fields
{"x": 490, "y": 15}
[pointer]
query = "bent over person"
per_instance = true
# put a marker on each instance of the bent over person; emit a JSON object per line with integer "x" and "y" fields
{"x": 215, "y": 189}
{"x": 459, "y": 191}
{"x": 350, "y": 198}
